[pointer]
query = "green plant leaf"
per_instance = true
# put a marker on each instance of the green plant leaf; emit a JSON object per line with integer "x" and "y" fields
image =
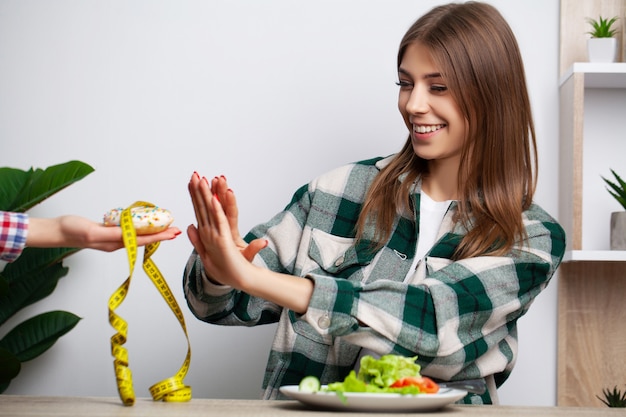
{"x": 10, "y": 366}
{"x": 34, "y": 260}
{"x": 617, "y": 190}
{"x": 602, "y": 27}
{"x": 35, "y": 274}
{"x": 12, "y": 180}
{"x": 622, "y": 184}
{"x": 615, "y": 398}
{"x": 34, "y": 336}
{"x": 32, "y": 277}
{"x": 21, "y": 190}
{"x": 29, "y": 289}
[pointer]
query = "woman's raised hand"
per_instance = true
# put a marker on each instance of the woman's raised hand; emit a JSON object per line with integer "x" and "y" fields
{"x": 216, "y": 238}
{"x": 227, "y": 258}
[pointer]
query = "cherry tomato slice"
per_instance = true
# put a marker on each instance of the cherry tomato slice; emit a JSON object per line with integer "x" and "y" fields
{"x": 424, "y": 383}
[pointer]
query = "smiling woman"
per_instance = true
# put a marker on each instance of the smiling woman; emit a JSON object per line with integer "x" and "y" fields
{"x": 434, "y": 252}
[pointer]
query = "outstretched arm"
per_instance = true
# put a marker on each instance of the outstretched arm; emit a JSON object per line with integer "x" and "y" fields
{"x": 225, "y": 256}
{"x": 79, "y": 232}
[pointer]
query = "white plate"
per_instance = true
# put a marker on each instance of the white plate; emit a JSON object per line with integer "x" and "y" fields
{"x": 362, "y": 401}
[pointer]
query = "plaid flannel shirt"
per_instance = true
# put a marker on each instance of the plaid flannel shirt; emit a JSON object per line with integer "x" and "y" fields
{"x": 13, "y": 231}
{"x": 458, "y": 317}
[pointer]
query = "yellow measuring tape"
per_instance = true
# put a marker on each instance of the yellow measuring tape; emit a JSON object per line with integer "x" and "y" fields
{"x": 170, "y": 389}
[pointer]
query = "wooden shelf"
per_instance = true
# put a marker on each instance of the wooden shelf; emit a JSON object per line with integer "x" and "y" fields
{"x": 592, "y": 282}
{"x": 595, "y": 256}
{"x": 591, "y": 278}
{"x": 598, "y": 75}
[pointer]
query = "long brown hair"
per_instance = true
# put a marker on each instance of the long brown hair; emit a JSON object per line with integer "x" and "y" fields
{"x": 478, "y": 56}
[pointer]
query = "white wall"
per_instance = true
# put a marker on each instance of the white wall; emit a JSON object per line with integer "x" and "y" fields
{"x": 269, "y": 94}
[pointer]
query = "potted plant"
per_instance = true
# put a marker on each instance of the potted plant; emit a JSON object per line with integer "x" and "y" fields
{"x": 618, "y": 219}
{"x": 615, "y": 398}
{"x": 602, "y": 47}
{"x": 34, "y": 275}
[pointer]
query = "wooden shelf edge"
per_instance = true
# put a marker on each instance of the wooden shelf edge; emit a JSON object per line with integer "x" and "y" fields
{"x": 595, "y": 256}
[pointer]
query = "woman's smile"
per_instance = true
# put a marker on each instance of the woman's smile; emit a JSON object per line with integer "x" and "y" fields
{"x": 423, "y": 132}
{"x": 427, "y": 128}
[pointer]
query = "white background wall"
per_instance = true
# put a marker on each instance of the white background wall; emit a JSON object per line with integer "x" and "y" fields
{"x": 269, "y": 94}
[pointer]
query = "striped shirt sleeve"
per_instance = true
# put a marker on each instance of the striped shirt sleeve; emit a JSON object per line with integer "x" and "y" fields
{"x": 13, "y": 231}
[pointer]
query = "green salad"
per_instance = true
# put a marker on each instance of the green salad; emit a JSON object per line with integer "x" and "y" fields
{"x": 389, "y": 374}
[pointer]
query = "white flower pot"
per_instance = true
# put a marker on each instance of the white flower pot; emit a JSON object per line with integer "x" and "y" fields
{"x": 618, "y": 230}
{"x": 602, "y": 49}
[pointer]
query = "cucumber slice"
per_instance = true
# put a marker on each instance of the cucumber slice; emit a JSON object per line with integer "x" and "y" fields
{"x": 309, "y": 384}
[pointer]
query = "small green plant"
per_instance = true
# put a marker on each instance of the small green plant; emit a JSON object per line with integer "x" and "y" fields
{"x": 34, "y": 275}
{"x": 617, "y": 189}
{"x": 613, "y": 398}
{"x": 602, "y": 28}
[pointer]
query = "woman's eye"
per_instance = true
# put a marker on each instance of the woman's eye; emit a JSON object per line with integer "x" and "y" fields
{"x": 439, "y": 88}
{"x": 404, "y": 84}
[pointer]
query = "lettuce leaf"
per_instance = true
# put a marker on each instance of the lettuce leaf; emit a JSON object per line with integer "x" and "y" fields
{"x": 387, "y": 370}
{"x": 376, "y": 375}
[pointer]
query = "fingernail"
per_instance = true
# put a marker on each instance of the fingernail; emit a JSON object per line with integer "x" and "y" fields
{"x": 230, "y": 190}
{"x": 195, "y": 174}
{"x": 205, "y": 180}
{"x": 223, "y": 177}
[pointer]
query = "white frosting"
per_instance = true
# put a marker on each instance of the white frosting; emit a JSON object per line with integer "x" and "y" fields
{"x": 147, "y": 220}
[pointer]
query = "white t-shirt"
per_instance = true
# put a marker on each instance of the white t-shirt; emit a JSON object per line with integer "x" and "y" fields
{"x": 431, "y": 216}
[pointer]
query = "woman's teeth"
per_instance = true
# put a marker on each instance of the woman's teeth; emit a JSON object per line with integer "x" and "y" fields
{"x": 427, "y": 129}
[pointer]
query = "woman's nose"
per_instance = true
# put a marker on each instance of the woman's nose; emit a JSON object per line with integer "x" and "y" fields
{"x": 418, "y": 101}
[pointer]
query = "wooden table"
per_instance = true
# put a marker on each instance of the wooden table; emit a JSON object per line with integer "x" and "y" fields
{"x": 18, "y": 406}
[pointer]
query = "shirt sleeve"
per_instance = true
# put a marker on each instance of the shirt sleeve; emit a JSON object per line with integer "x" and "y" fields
{"x": 464, "y": 308}
{"x": 288, "y": 234}
{"x": 13, "y": 231}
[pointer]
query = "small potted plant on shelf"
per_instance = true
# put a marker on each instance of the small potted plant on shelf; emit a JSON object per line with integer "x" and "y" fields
{"x": 618, "y": 219}
{"x": 602, "y": 47}
{"x": 615, "y": 398}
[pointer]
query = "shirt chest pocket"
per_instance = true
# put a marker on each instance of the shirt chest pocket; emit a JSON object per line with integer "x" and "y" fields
{"x": 334, "y": 255}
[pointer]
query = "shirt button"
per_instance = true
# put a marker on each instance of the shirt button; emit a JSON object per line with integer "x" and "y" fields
{"x": 339, "y": 261}
{"x": 324, "y": 322}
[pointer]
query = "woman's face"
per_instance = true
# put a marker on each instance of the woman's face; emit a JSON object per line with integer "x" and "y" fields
{"x": 438, "y": 129}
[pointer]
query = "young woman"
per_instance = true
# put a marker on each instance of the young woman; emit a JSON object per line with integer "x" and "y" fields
{"x": 433, "y": 252}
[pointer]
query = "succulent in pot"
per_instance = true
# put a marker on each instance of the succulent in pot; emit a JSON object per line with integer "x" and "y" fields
{"x": 617, "y": 189}
{"x": 602, "y": 47}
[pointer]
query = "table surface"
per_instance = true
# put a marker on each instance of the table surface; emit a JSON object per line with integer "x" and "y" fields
{"x": 17, "y": 406}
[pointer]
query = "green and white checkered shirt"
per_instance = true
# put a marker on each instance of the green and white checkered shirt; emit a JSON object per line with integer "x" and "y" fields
{"x": 458, "y": 317}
